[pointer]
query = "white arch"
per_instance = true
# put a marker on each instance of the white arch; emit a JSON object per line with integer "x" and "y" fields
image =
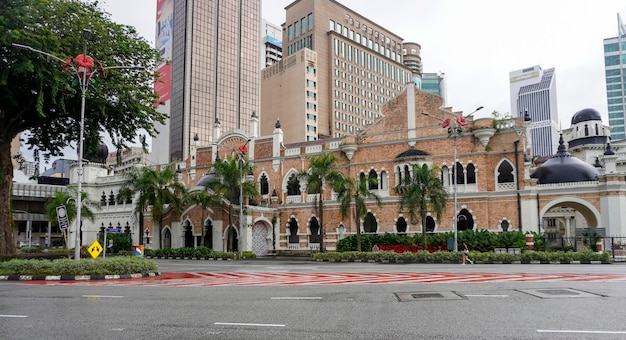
{"x": 588, "y": 211}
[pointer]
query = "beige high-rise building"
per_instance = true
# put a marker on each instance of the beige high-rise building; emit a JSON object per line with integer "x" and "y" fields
{"x": 214, "y": 49}
{"x": 338, "y": 70}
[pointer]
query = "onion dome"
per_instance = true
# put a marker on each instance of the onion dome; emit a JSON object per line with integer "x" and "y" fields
{"x": 585, "y": 115}
{"x": 609, "y": 151}
{"x": 563, "y": 168}
{"x": 207, "y": 179}
{"x": 412, "y": 152}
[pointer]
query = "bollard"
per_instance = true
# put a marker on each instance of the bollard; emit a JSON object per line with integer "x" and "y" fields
{"x": 530, "y": 241}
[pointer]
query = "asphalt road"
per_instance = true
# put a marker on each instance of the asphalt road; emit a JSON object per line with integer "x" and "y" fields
{"x": 453, "y": 310}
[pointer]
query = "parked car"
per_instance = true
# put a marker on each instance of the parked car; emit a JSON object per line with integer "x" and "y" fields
{"x": 21, "y": 244}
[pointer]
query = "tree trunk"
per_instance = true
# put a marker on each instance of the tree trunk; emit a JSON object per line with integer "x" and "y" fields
{"x": 159, "y": 231}
{"x": 358, "y": 222}
{"x": 425, "y": 239}
{"x": 321, "y": 209}
{"x": 7, "y": 238}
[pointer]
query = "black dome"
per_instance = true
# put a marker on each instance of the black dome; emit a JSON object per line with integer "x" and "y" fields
{"x": 585, "y": 115}
{"x": 205, "y": 180}
{"x": 412, "y": 152}
{"x": 564, "y": 168}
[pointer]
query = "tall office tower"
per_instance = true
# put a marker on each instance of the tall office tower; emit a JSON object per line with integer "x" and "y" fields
{"x": 214, "y": 47}
{"x": 271, "y": 44}
{"x": 413, "y": 61}
{"x": 338, "y": 69}
{"x": 615, "y": 73}
{"x": 534, "y": 90}
{"x": 434, "y": 83}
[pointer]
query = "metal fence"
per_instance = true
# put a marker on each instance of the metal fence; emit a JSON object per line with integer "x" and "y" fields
{"x": 614, "y": 245}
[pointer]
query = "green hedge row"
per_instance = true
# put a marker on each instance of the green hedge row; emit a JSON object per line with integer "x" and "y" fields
{"x": 480, "y": 240}
{"x": 109, "y": 266}
{"x": 455, "y": 257}
{"x": 196, "y": 253}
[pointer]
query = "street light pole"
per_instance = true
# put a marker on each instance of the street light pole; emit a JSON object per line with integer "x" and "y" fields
{"x": 83, "y": 92}
{"x": 455, "y": 126}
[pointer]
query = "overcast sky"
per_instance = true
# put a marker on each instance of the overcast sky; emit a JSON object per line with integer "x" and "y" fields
{"x": 477, "y": 43}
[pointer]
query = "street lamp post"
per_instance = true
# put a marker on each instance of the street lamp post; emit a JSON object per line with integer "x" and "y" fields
{"x": 454, "y": 126}
{"x": 84, "y": 68}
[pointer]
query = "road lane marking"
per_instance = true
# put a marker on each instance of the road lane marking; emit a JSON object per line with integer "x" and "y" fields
{"x": 12, "y": 316}
{"x": 486, "y": 295}
{"x": 578, "y": 331}
{"x": 249, "y": 324}
{"x": 296, "y": 298}
{"x": 103, "y": 296}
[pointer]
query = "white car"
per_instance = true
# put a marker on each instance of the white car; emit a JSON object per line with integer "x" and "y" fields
{"x": 21, "y": 244}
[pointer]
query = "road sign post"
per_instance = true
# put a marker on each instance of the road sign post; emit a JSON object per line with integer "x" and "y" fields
{"x": 112, "y": 231}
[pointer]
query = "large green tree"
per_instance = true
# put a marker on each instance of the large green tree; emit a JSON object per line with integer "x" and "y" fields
{"x": 231, "y": 181}
{"x": 39, "y": 96}
{"x": 322, "y": 171}
{"x": 157, "y": 188}
{"x": 349, "y": 188}
{"x": 422, "y": 192}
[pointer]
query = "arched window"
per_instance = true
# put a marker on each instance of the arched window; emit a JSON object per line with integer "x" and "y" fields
{"x": 383, "y": 180}
{"x": 407, "y": 172}
{"x": 445, "y": 176}
{"x": 369, "y": 223}
{"x": 208, "y": 234}
{"x": 293, "y": 231}
{"x": 504, "y": 225}
{"x": 373, "y": 175}
{"x": 314, "y": 227}
{"x": 430, "y": 224}
{"x": 264, "y": 185}
{"x": 293, "y": 185}
{"x": 465, "y": 221}
{"x": 505, "y": 172}
{"x": 471, "y": 174}
{"x": 460, "y": 178}
{"x": 401, "y": 226}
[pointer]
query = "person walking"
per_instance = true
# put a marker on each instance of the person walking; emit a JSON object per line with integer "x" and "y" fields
{"x": 466, "y": 254}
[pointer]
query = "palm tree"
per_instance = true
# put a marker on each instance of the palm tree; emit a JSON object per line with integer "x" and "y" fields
{"x": 230, "y": 173}
{"x": 359, "y": 189}
{"x": 68, "y": 199}
{"x": 157, "y": 188}
{"x": 423, "y": 192}
{"x": 321, "y": 171}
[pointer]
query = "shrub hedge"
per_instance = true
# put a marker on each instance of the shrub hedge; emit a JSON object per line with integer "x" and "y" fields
{"x": 109, "y": 266}
{"x": 195, "y": 253}
{"x": 455, "y": 257}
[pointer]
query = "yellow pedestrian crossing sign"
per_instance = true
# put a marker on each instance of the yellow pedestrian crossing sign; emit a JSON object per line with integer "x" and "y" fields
{"x": 95, "y": 249}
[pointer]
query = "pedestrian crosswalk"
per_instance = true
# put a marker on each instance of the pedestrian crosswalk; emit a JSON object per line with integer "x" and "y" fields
{"x": 217, "y": 279}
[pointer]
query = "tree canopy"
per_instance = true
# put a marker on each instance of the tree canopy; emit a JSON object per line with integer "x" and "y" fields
{"x": 39, "y": 96}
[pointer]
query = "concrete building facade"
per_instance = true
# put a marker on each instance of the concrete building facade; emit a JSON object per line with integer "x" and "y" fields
{"x": 359, "y": 68}
{"x": 214, "y": 74}
{"x": 615, "y": 75}
{"x": 533, "y": 91}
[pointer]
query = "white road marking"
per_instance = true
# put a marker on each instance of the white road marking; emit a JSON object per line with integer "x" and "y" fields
{"x": 485, "y": 295}
{"x": 13, "y": 316}
{"x": 103, "y": 296}
{"x": 296, "y": 298}
{"x": 249, "y": 324}
{"x": 578, "y": 331}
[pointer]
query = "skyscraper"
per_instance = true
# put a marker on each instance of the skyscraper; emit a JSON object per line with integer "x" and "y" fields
{"x": 615, "y": 73}
{"x": 214, "y": 48}
{"x": 338, "y": 70}
{"x": 533, "y": 90}
{"x": 271, "y": 41}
